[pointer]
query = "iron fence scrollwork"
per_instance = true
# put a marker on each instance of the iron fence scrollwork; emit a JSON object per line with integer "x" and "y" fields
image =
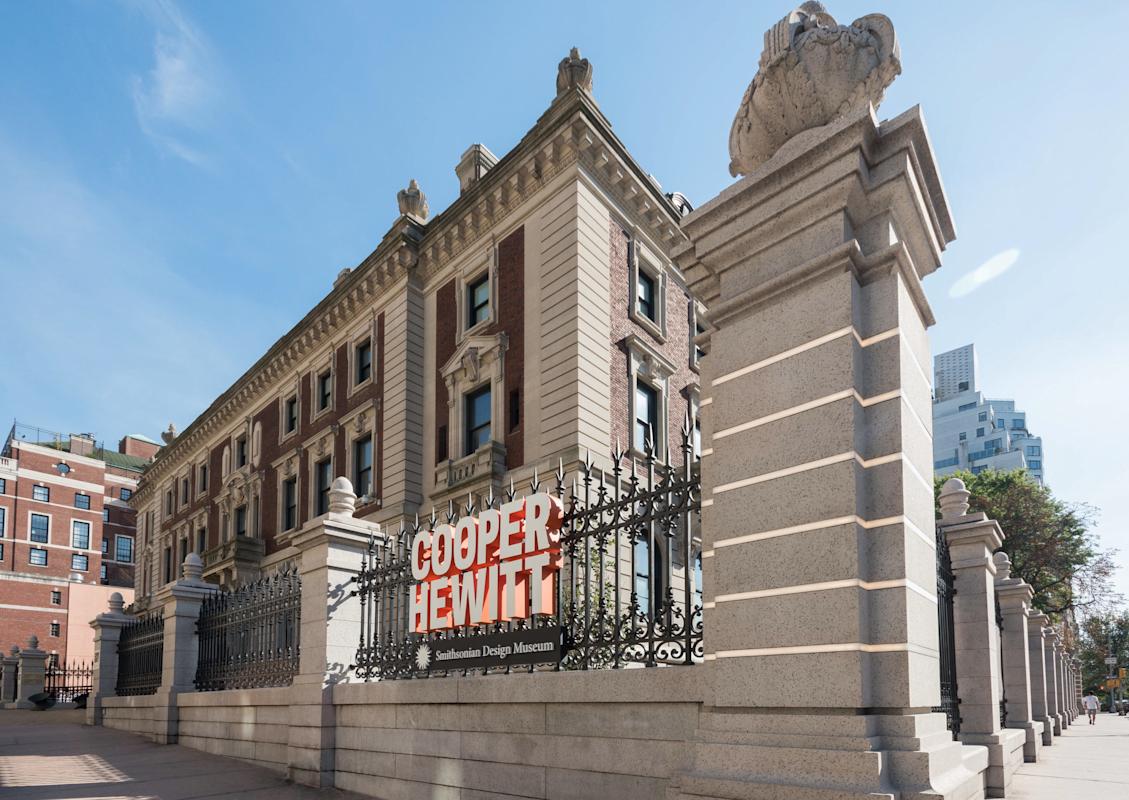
{"x": 950, "y": 701}
{"x": 249, "y": 637}
{"x": 141, "y": 656}
{"x": 628, "y": 591}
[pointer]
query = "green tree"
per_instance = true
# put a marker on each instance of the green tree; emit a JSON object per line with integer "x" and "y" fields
{"x": 1101, "y": 635}
{"x": 1048, "y": 541}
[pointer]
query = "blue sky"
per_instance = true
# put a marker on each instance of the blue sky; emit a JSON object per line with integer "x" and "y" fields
{"x": 179, "y": 183}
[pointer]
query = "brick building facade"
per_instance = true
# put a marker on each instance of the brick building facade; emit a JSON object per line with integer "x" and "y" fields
{"x": 66, "y": 534}
{"x": 537, "y": 320}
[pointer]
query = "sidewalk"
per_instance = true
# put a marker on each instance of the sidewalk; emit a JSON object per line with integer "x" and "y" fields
{"x": 1088, "y": 762}
{"x": 51, "y": 755}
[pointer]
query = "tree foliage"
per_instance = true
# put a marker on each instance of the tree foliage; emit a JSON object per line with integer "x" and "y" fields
{"x": 1048, "y": 541}
{"x": 1101, "y": 635}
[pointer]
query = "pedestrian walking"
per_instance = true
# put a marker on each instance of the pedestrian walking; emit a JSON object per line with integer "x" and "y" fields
{"x": 1092, "y": 705}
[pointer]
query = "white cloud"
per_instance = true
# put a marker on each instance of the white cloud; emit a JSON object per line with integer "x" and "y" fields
{"x": 176, "y": 101}
{"x": 994, "y": 267}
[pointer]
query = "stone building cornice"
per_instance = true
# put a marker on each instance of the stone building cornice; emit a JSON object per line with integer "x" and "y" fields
{"x": 573, "y": 131}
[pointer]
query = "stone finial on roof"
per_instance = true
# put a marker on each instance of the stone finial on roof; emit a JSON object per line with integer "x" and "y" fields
{"x": 574, "y": 71}
{"x": 342, "y": 499}
{"x": 117, "y": 602}
{"x": 954, "y": 499}
{"x": 812, "y": 71}
{"x": 33, "y": 642}
{"x": 412, "y": 201}
{"x": 170, "y": 434}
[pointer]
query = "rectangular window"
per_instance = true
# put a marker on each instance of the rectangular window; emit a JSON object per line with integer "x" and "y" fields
{"x": 289, "y": 503}
{"x": 3, "y": 521}
{"x": 978, "y": 470}
{"x": 37, "y": 556}
{"x": 1017, "y": 423}
{"x": 963, "y": 436}
{"x": 56, "y": 597}
{"x": 168, "y": 502}
{"x": 241, "y": 451}
{"x": 201, "y": 540}
{"x": 646, "y": 415}
{"x": 1034, "y": 465}
{"x": 966, "y": 406}
{"x": 979, "y": 433}
{"x": 82, "y": 501}
{"x": 106, "y": 514}
{"x": 363, "y": 361}
{"x": 184, "y": 491}
{"x": 80, "y": 562}
{"x": 477, "y": 419}
{"x": 55, "y": 629}
{"x": 40, "y": 527}
{"x": 105, "y": 546}
{"x": 1, "y": 551}
{"x": 241, "y": 521}
{"x": 102, "y": 573}
{"x": 1034, "y": 450}
{"x": 325, "y": 390}
{"x": 478, "y": 301}
{"x": 441, "y": 444}
{"x": 80, "y": 535}
{"x": 41, "y": 493}
{"x": 993, "y": 444}
{"x": 125, "y": 494}
{"x": 292, "y": 414}
{"x": 324, "y": 470}
{"x": 362, "y": 466}
{"x": 982, "y": 416}
{"x": 168, "y": 565}
{"x": 183, "y": 550}
{"x": 645, "y": 295}
{"x": 3, "y": 486}
{"x": 699, "y": 353}
{"x": 515, "y": 409}
{"x": 123, "y": 549}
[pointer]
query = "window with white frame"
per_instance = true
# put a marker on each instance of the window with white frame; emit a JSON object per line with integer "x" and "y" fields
{"x": 362, "y": 362}
{"x": 80, "y": 535}
{"x": 123, "y": 549}
{"x": 80, "y": 562}
{"x": 476, "y": 419}
{"x": 41, "y": 493}
{"x": 478, "y": 300}
{"x": 40, "y": 528}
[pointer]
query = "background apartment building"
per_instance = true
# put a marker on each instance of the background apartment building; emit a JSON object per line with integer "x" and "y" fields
{"x": 536, "y": 320}
{"x": 66, "y": 534}
{"x": 972, "y": 432}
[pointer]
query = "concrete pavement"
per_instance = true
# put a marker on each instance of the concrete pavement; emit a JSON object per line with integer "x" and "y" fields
{"x": 51, "y": 755}
{"x": 1088, "y": 762}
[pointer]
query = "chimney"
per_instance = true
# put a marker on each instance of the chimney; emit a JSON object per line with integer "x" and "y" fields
{"x": 475, "y": 163}
{"x": 82, "y": 444}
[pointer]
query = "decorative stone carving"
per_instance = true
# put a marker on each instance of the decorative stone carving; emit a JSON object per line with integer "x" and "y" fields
{"x": 342, "y": 500}
{"x": 412, "y": 201}
{"x": 169, "y": 434}
{"x": 812, "y": 72}
{"x": 574, "y": 71}
{"x": 954, "y": 499}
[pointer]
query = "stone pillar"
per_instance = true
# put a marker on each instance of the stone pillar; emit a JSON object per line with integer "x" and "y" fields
{"x": 821, "y": 629}
{"x": 1015, "y": 596}
{"x": 1053, "y": 697}
{"x": 1078, "y": 687}
{"x": 33, "y": 673}
{"x": 1040, "y": 687}
{"x": 331, "y": 548}
{"x": 1064, "y": 683}
{"x": 972, "y": 538}
{"x": 8, "y": 684}
{"x": 182, "y": 601}
{"x": 1060, "y": 684}
{"x": 107, "y": 633}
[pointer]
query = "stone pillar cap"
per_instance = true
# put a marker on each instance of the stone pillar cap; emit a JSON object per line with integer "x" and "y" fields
{"x": 342, "y": 499}
{"x": 193, "y": 568}
{"x": 117, "y": 603}
{"x": 954, "y": 499}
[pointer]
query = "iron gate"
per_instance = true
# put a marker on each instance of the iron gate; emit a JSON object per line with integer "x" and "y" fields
{"x": 628, "y": 590}
{"x": 950, "y": 700}
{"x": 68, "y": 682}
{"x": 141, "y": 656}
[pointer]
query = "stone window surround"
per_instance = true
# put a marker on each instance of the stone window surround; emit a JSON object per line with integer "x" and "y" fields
{"x": 476, "y": 361}
{"x": 642, "y": 257}
{"x": 199, "y": 463}
{"x": 697, "y": 316}
{"x": 357, "y": 424}
{"x": 357, "y": 338}
{"x": 295, "y": 392}
{"x": 483, "y": 263}
{"x": 241, "y": 487}
{"x": 321, "y": 366}
{"x": 653, "y": 368}
{"x": 285, "y": 467}
{"x": 50, "y": 525}
{"x": 318, "y": 448}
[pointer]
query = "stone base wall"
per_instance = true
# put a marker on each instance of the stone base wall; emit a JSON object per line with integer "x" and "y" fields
{"x": 249, "y": 724}
{"x": 562, "y": 735}
{"x": 136, "y": 714}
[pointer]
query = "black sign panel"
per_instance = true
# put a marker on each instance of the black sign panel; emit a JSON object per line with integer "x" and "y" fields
{"x": 479, "y": 651}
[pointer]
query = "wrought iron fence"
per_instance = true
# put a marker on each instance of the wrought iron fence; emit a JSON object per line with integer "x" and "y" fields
{"x": 68, "y": 682}
{"x": 628, "y": 591}
{"x": 950, "y": 701}
{"x": 141, "y": 656}
{"x": 249, "y": 637}
{"x": 1003, "y": 682}
{"x": 15, "y": 685}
